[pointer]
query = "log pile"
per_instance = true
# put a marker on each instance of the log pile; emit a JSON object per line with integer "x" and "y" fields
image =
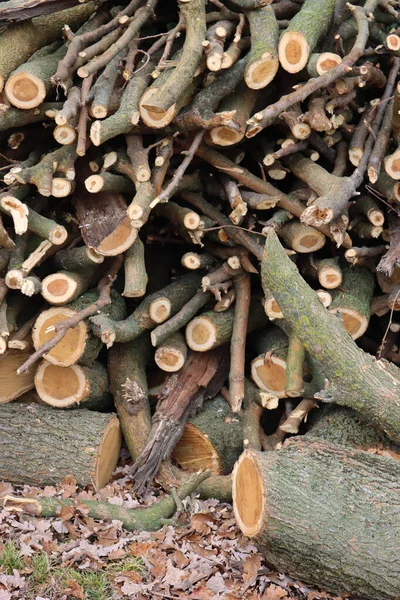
{"x": 200, "y": 231}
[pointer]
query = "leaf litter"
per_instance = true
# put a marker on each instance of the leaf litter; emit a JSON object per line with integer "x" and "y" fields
{"x": 203, "y": 557}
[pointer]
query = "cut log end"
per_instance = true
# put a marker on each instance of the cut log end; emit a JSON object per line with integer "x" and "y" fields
{"x": 61, "y": 188}
{"x": 293, "y": 51}
{"x": 392, "y": 165}
{"x": 65, "y": 134}
{"x": 225, "y": 136}
{"x": 330, "y": 278}
{"x": 313, "y": 215}
{"x": 354, "y": 323}
{"x": 98, "y": 111}
{"x": 58, "y": 235}
{"x": 308, "y": 241}
{"x": 393, "y": 42}
{"x": 191, "y": 220}
{"x": 94, "y": 184}
{"x": 152, "y": 115}
{"x": 119, "y": 240}
{"x": 95, "y": 133}
{"x": 272, "y": 309}
{"x": 60, "y": 386}
{"x": 195, "y": 452}
{"x": 12, "y": 386}
{"x": 25, "y": 91}
{"x": 191, "y": 261}
{"x": 327, "y": 61}
{"x": 108, "y": 453}
{"x": 201, "y": 334}
{"x": 58, "y": 288}
{"x": 262, "y": 71}
{"x": 169, "y": 359}
{"x": 269, "y": 374}
{"x": 70, "y": 348}
{"x": 160, "y": 310}
{"x": 248, "y": 494}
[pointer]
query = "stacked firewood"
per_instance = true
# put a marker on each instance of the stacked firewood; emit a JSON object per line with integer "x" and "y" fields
{"x": 200, "y": 231}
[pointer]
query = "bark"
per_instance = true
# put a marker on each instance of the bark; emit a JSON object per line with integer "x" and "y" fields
{"x": 335, "y": 553}
{"x": 79, "y": 443}
{"x": 354, "y": 378}
{"x": 183, "y": 394}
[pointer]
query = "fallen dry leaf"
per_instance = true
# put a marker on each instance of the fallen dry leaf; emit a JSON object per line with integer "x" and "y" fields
{"x": 75, "y": 590}
{"x": 250, "y": 569}
{"x": 274, "y": 592}
{"x": 202, "y": 522}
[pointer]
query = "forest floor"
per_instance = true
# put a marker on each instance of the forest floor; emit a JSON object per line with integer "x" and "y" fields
{"x": 203, "y": 557}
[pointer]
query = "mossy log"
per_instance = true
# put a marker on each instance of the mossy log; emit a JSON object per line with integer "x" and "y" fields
{"x": 70, "y": 387}
{"x": 211, "y": 440}
{"x": 354, "y": 378}
{"x": 345, "y": 427}
{"x": 345, "y": 507}
{"x": 40, "y": 445}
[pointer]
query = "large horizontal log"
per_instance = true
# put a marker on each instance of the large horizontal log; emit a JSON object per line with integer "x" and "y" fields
{"x": 326, "y": 514}
{"x": 40, "y": 445}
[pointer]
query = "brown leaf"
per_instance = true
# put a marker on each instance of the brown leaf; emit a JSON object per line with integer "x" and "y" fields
{"x": 68, "y": 484}
{"x": 141, "y": 548}
{"x": 179, "y": 559}
{"x": 201, "y": 522}
{"x": 66, "y": 513}
{"x": 75, "y": 590}
{"x": 274, "y": 592}
{"x": 250, "y": 569}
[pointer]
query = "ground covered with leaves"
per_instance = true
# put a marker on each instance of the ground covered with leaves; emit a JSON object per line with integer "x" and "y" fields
{"x": 203, "y": 556}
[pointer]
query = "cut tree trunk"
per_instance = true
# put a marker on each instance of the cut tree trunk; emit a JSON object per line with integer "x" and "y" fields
{"x": 319, "y": 510}
{"x": 212, "y": 439}
{"x": 40, "y": 445}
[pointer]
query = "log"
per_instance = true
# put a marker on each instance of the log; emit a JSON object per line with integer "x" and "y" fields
{"x": 335, "y": 552}
{"x": 80, "y": 443}
{"x": 79, "y": 344}
{"x": 171, "y": 354}
{"x": 74, "y": 386}
{"x": 210, "y": 440}
{"x": 35, "y": 34}
{"x": 268, "y": 370}
{"x": 303, "y": 33}
{"x": 354, "y": 378}
{"x": 12, "y": 385}
{"x": 214, "y": 329}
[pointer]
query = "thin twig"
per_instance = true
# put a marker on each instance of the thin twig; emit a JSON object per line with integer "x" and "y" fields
{"x": 179, "y": 173}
